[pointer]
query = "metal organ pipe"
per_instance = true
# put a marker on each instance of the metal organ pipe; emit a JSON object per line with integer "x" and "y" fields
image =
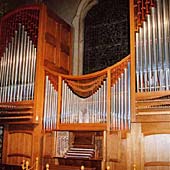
{"x": 86, "y": 100}
{"x": 145, "y": 54}
{"x": 127, "y": 87}
{"x": 76, "y": 109}
{"x": 166, "y": 49}
{"x": 120, "y": 101}
{"x": 153, "y": 48}
{"x": 140, "y": 58}
{"x": 17, "y": 66}
{"x": 149, "y": 44}
{"x": 50, "y": 105}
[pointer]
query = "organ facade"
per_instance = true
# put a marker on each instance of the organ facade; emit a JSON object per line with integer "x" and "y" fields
{"x": 116, "y": 118}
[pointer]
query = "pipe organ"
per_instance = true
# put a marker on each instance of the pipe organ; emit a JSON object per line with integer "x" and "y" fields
{"x": 18, "y": 55}
{"x": 152, "y": 45}
{"x": 76, "y": 109}
{"x": 50, "y": 105}
{"x": 150, "y": 83}
{"x": 152, "y": 50}
{"x": 79, "y": 109}
{"x": 88, "y": 116}
{"x": 91, "y": 99}
{"x": 120, "y": 99}
{"x": 28, "y": 43}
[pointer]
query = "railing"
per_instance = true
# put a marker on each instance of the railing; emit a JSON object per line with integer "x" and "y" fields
{"x": 97, "y": 99}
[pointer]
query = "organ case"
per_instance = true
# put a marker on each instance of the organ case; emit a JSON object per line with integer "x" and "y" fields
{"x": 150, "y": 54}
{"x": 98, "y": 103}
{"x": 31, "y": 37}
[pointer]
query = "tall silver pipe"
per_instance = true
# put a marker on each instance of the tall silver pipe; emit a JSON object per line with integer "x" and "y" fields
{"x": 45, "y": 102}
{"x": 5, "y": 78}
{"x": 129, "y": 96}
{"x": 49, "y": 105}
{"x": 152, "y": 49}
{"x": 119, "y": 103}
{"x": 105, "y": 99}
{"x": 23, "y": 66}
{"x": 34, "y": 70}
{"x": 166, "y": 49}
{"x": 121, "y": 99}
{"x": 17, "y": 62}
{"x": 10, "y": 70}
{"x": 26, "y": 68}
{"x": 150, "y": 53}
{"x": 63, "y": 102}
{"x": 7, "y": 72}
{"x": 114, "y": 104}
{"x": 126, "y": 96}
{"x": 18, "y": 68}
{"x": 2, "y": 77}
{"x": 145, "y": 55}
{"x": 56, "y": 108}
{"x": 20, "y": 64}
{"x": 83, "y": 110}
{"x": 160, "y": 56}
{"x": 141, "y": 58}
{"x": 137, "y": 62}
{"x": 3, "y": 73}
{"x": 12, "y": 93}
{"x": 165, "y": 23}
{"x": 29, "y": 71}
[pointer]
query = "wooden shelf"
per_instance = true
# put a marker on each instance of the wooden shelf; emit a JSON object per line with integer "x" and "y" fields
{"x": 153, "y": 118}
{"x": 151, "y": 95}
{"x": 20, "y": 122}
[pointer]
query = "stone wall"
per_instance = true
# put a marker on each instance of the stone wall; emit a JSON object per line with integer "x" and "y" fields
{"x": 66, "y": 9}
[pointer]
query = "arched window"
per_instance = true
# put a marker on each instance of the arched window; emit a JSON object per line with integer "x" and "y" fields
{"x": 101, "y": 36}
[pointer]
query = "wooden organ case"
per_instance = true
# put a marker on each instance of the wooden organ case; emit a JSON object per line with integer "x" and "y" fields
{"x": 31, "y": 37}
{"x": 116, "y": 117}
{"x": 150, "y": 106}
{"x": 83, "y": 116}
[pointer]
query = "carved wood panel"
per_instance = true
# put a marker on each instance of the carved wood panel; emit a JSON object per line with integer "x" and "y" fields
{"x": 156, "y": 152}
{"x": 58, "y": 45}
{"x": 19, "y": 147}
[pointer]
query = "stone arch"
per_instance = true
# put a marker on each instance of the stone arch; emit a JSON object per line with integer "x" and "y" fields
{"x": 78, "y": 35}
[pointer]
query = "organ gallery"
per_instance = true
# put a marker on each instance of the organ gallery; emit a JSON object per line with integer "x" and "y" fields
{"x": 116, "y": 118}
